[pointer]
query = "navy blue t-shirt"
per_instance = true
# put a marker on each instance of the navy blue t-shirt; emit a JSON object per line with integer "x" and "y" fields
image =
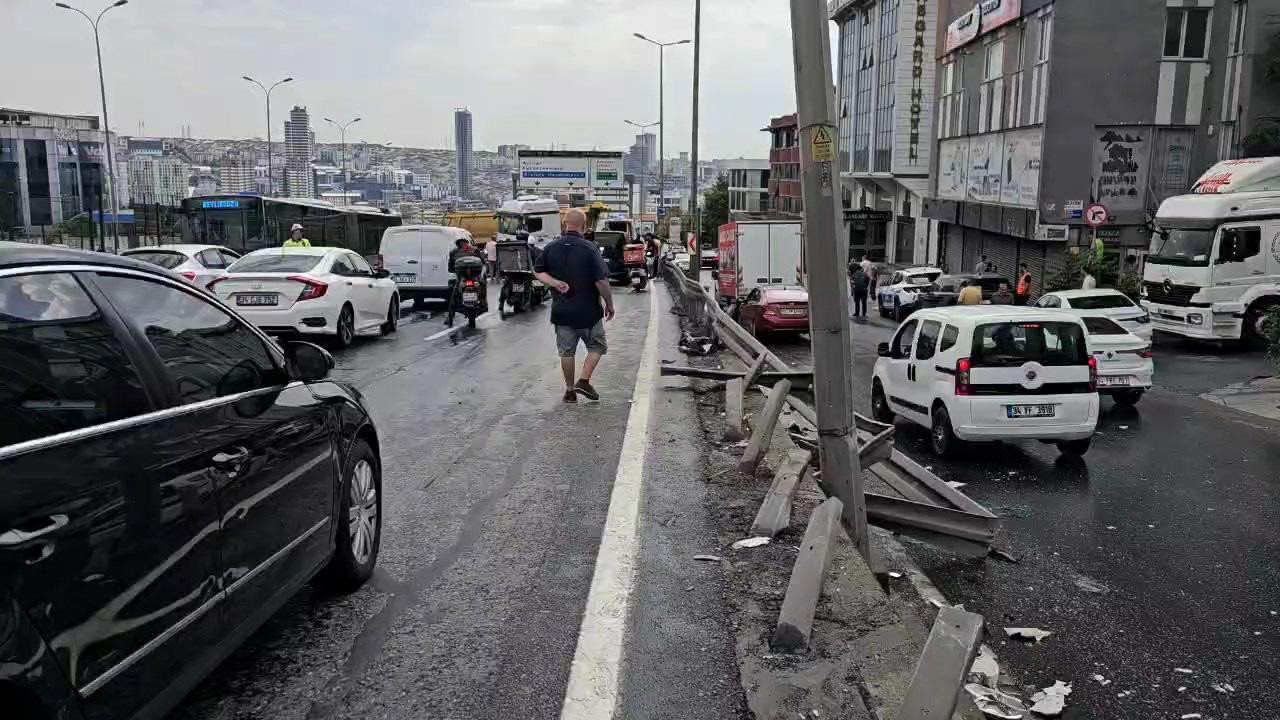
{"x": 575, "y": 260}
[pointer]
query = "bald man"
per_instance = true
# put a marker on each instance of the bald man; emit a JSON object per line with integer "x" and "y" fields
{"x": 575, "y": 271}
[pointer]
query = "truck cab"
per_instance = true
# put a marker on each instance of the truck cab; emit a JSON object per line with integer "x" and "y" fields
{"x": 1214, "y": 268}
{"x": 539, "y": 217}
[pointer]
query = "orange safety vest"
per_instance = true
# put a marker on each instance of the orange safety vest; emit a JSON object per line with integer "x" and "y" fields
{"x": 1024, "y": 284}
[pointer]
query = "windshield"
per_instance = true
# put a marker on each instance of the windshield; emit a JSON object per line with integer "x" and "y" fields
{"x": 1181, "y": 247}
{"x": 1100, "y": 302}
{"x": 272, "y": 262}
{"x": 166, "y": 259}
{"x": 1103, "y": 326}
{"x": 510, "y": 224}
{"x": 1014, "y": 343}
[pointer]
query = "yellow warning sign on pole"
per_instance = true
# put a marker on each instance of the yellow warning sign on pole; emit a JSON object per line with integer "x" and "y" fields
{"x": 820, "y": 146}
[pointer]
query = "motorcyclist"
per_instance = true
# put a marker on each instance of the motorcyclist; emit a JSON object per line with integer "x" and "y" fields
{"x": 461, "y": 247}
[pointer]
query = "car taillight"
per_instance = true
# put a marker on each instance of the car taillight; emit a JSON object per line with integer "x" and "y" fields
{"x": 190, "y": 276}
{"x": 215, "y": 281}
{"x": 1093, "y": 374}
{"x": 311, "y": 289}
{"x": 1146, "y": 353}
{"x": 963, "y": 365}
{"x": 469, "y": 283}
{"x": 770, "y": 310}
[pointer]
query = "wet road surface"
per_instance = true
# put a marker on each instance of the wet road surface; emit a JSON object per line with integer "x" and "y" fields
{"x": 495, "y": 496}
{"x": 1156, "y": 552}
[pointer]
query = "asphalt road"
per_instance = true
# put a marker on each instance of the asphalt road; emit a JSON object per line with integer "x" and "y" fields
{"x": 1156, "y": 553}
{"x": 495, "y": 498}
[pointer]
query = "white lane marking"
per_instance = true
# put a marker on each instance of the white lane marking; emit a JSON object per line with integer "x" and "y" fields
{"x": 592, "y": 693}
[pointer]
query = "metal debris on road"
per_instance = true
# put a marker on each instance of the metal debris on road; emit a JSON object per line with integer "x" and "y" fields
{"x": 953, "y": 484}
{"x": 1192, "y": 716}
{"x": 996, "y": 704}
{"x": 895, "y": 575}
{"x": 1111, "y": 527}
{"x": 751, "y": 542}
{"x": 708, "y": 558}
{"x": 1101, "y": 680}
{"x": 1088, "y": 585}
{"x": 1002, "y": 555}
{"x": 1223, "y": 687}
{"x": 985, "y": 670}
{"x": 1027, "y": 633}
{"x": 1051, "y": 700}
{"x": 1185, "y": 671}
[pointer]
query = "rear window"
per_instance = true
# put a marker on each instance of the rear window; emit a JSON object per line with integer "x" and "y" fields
{"x": 1103, "y": 326}
{"x": 271, "y": 262}
{"x": 990, "y": 284}
{"x": 1100, "y": 302}
{"x": 1014, "y": 343}
{"x": 167, "y": 259}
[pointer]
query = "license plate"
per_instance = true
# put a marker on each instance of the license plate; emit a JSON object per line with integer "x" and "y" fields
{"x": 517, "y": 287}
{"x": 257, "y": 299}
{"x": 1031, "y": 411}
{"x": 470, "y": 297}
{"x": 794, "y": 312}
{"x": 404, "y": 277}
{"x": 1114, "y": 380}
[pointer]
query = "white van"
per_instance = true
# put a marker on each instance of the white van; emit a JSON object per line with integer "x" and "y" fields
{"x": 417, "y": 256}
{"x": 990, "y": 372}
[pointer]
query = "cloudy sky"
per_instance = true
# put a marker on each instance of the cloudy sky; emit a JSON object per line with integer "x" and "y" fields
{"x": 532, "y": 71}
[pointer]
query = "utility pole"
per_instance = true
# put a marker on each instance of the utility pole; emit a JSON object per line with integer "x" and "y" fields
{"x": 644, "y": 165}
{"x": 662, "y": 127}
{"x": 695, "y": 218}
{"x": 266, "y": 91}
{"x": 826, "y": 258}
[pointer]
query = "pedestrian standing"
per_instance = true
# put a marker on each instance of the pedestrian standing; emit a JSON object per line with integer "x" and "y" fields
{"x": 491, "y": 258}
{"x": 970, "y": 294}
{"x": 860, "y": 284}
{"x": 1002, "y": 296}
{"x": 981, "y": 267}
{"x": 295, "y": 237}
{"x": 1023, "y": 292}
{"x": 575, "y": 271}
{"x": 1090, "y": 282}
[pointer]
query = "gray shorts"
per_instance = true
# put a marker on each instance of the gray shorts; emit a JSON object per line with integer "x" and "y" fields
{"x": 593, "y": 337}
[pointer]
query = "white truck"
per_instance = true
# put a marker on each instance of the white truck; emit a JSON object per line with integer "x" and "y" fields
{"x": 1214, "y": 268}
{"x": 758, "y": 252}
{"x": 540, "y": 217}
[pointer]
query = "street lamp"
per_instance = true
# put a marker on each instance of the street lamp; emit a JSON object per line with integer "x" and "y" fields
{"x": 645, "y": 168}
{"x": 106, "y": 124}
{"x": 661, "y": 112}
{"x": 271, "y": 180}
{"x": 342, "y": 133}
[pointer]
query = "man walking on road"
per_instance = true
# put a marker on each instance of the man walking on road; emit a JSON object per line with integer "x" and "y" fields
{"x": 860, "y": 284}
{"x": 575, "y": 271}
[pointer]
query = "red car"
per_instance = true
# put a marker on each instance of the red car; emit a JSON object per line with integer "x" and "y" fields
{"x": 775, "y": 309}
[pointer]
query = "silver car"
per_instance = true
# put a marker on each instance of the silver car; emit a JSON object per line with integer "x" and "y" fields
{"x": 199, "y": 264}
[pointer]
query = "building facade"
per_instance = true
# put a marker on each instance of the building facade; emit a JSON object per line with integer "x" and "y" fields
{"x": 785, "y": 196}
{"x": 885, "y": 89}
{"x": 237, "y": 176}
{"x": 1048, "y": 108}
{"x": 299, "y": 149}
{"x": 462, "y": 140}
{"x": 52, "y": 167}
{"x": 748, "y": 185}
{"x": 642, "y": 157}
{"x": 158, "y": 180}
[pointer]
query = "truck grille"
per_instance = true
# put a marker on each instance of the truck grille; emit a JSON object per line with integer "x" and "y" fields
{"x": 1170, "y": 295}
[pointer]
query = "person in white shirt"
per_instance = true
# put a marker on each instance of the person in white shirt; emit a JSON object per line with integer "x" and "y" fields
{"x": 1090, "y": 282}
{"x": 491, "y": 258}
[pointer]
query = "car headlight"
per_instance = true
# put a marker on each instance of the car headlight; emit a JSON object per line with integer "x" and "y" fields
{"x": 1195, "y": 319}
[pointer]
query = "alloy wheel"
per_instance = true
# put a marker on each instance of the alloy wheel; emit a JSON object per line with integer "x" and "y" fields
{"x": 362, "y": 512}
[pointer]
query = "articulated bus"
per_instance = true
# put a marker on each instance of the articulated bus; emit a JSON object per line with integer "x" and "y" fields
{"x": 250, "y": 222}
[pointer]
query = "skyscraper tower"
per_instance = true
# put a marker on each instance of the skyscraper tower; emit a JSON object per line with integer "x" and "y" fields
{"x": 462, "y": 147}
{"x": 299, "y": 143}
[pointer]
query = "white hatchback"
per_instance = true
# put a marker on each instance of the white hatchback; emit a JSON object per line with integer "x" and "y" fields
{"x": 1125, "y": 367}
{"x": 1109, "y": 303}
{"x": 988, "y": 372}
{"x": 311, "y": 291}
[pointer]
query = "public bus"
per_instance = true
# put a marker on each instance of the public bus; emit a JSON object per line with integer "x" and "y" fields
{"x": 250, "y": 222}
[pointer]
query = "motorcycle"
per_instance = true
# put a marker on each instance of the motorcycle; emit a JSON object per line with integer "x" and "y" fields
{"x": 515, "y": 265}
{"x": 469, "y": 296}
{"x": 635, "y": 259}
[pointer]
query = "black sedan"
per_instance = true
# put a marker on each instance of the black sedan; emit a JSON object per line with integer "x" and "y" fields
{"x": 170, "y": 477}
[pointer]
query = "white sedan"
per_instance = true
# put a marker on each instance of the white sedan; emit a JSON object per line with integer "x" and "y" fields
{"x": 902, "y": 289}
{"x": 1125, "y": 367}
{"x": 199, "y": 264}
{"x": 1102, "y": 301}
{"x": 311, "y": 291}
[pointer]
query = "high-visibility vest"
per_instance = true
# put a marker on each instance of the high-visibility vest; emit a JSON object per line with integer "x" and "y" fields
{"x": 1024, "y": 284}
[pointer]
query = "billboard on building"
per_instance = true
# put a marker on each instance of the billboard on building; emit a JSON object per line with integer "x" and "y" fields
{"x": 1021, "y": 183}
{"x": 963, "y": 31}
{"x": 606, "y": 172}
{"x": 953, "y": 168}
{"x": 986, "y": 167}
{"x": 1121, "y": 162}
{"x": 569, "y": 169}
{"x": 998, "y": 13}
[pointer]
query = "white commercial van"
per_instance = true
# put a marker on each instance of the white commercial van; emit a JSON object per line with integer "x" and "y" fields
{"x": 1214, "y": 268}
{"x": 758, "y": 252}
{"x": 539, "y": 217}
{"x": 417, "y": 256}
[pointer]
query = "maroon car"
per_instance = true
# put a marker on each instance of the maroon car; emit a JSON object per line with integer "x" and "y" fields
{"x": 775, "y": 309}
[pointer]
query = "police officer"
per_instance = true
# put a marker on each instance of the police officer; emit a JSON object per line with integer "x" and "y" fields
{"x": 295, "y": 237}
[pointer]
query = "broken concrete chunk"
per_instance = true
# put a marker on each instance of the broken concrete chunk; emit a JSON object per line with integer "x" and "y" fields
{"x": 1184, "y": 671}
{"x": 751, "y": 542}
{"x": 1192, "y": 716}
{"x": 1051, "y": 700}
{"x": 1026, "y": 633}
{"x": 996, "y": 704}
{"x": 1101, "y": 680}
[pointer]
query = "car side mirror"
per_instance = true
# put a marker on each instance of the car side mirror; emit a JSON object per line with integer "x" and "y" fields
{"x": 522, "y": 236}
{"x": 382, "y": 273}
{"x": 883, "y": 350}
{"x": 307, "y": 362}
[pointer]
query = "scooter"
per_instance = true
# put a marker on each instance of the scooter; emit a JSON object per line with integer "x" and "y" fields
{"x": 519, "y": 288}
{"x": 635, "y": 260}
{"x": 470, "y": 297}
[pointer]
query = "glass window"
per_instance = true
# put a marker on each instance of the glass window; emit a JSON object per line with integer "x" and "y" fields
{"x": 38, "y": 182}
{"x": 533, "y": 225}
{"x": 902, "y": 342}
{"x": 207, "y": 352}
{"x": 358, "y": 264}
{"x": 1103, "y": 326}
{"x": 167, "y": 259}
{"x": 949, "y": 337}
{"x": 277, "y": 262}
{"x": 61, "y": 367}
{"x": 342, "y": 266}
{"x": 1239, "y": 244}
{"x": 1186, "y": 32}
{"x": 211, "y": 259}
{"x": 1098, "y": 302}
{"x": 1007, "y": 344}
{"x": 927, "y": 345}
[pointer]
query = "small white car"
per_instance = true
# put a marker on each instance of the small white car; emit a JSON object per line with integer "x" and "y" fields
{"x": 1125, "y": 367}
{"x": 311, "y": 291}
{"x": 199, "y": 264}
{"x": 902, "y": 288}
{"x": 1110, "y": 303}
{"x": 681, "y": 260}
{"x": 990, "y": 372}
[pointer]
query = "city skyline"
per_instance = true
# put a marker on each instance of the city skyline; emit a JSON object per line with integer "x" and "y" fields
{"x": 148, "y": 45}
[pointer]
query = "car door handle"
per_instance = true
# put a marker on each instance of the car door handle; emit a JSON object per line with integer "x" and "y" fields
{"x": 410, "y": 262}
{"x": 235, "y": 457}
{"x": 10, "y": 538}
{"x": 1258, "y": 272}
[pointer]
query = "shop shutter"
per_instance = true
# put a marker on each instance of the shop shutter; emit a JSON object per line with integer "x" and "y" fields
{"x": 1003, "y": 251}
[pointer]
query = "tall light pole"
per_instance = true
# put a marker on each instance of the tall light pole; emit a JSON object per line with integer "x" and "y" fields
{"x": 271, "y": 179}
{"x": 342, "y": 134}
{"x": 695, "y": 218}
{"x": 645, "y": 169}
{"x": 106, "y": 124}
{"x": 661, "y": 114}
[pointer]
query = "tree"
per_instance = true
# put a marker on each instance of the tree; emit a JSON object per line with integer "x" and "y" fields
{"x": 715, "y": 212}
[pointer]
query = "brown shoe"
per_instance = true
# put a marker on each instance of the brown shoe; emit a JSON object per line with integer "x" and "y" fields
{"x": 571, "y": 397}
{"x": 583, "y": 388}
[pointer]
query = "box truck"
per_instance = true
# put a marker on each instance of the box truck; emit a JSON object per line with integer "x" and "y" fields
{"x": 758, "y": 252}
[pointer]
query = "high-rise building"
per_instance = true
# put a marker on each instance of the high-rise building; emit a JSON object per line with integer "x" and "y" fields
{"x": 643, "y": 155}
{"x": 299, "y": 144}
{"x": 237, "y": 177}
{"x": 462, "y": 145}
{"x": 748, "y": 184}
{"x": 158, "y": 179}
{"x": 784, "y": 165}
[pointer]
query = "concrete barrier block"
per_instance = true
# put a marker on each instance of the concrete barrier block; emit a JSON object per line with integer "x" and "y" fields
{"x": 795, "y": 621}
{"x": 774, "y": 515}
{"x": 762, "y": 431}
{"x": 935, "y": 686}
{"x": 734, "y": 391}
